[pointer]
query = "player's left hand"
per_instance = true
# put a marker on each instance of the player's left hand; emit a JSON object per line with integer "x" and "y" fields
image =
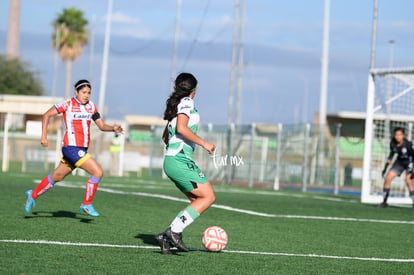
{"x": 209, "y": 147}
{"x": 118, "y": 129}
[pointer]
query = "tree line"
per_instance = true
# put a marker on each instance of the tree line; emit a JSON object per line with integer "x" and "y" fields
{"x": 69, "y": 36}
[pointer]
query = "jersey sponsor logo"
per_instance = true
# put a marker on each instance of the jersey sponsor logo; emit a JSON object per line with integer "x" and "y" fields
{"x": 82, "y": 116}
{"x": 185, "y": 107}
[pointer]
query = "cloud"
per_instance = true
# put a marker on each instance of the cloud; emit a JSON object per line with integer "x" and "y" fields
{"x": 129, "y": 26}
{"x": 122, "y": 18}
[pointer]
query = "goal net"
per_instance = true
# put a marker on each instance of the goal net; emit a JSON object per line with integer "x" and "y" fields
{"x": 390, "y": 104}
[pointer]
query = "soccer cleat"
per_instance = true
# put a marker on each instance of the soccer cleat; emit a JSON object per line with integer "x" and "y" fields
{"x": 164, "y": 243}
{"x": 383, "y": 205}
{"x": 89, "y": 210}
{"x": 30, "y": 202}
{"x": 176, "y": 239}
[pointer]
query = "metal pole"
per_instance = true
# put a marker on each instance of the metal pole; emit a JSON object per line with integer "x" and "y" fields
{"x": 176, "y": 40}
{"x": 240, "y": 63}
{"x": 5, "y": 162}
{"x": 306, "y": 158}
{"x": 233, "y": 61}
{"x": 228, "y": 169}
{"x": 233, "y": 73}
{"x": 209, "y": 137}
{"x": 337, "y": 158}
{"x": 104, "y": 71}
{"x": 324, "y": 91}
{"x": 252, "y": 135}
{"x": 121, "y": 154}
{"x": 263, "y": 158}
{"x": 278, "y": 156}
{"x": 374, "y": 36}
{"x": 151, "y": 160}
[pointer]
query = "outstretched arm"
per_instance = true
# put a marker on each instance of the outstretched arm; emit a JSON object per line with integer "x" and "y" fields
{"x": 108, "y": 128}
{"x": 45, "y": 122}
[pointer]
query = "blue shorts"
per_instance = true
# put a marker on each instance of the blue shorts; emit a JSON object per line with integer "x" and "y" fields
{"x": 74, "y": 156}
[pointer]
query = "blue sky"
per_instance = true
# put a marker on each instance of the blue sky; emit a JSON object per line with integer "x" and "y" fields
{"x": 283, "y": 46}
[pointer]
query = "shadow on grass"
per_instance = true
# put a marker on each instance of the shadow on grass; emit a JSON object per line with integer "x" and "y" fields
{"x": 150, "y": 240}
{"x": 147, "y": 239}
{"x": 58, "y": 214}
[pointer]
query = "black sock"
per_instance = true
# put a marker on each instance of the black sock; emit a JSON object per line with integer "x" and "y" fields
{"x": 386, "y": 194}
{"x": 412, "y": 195}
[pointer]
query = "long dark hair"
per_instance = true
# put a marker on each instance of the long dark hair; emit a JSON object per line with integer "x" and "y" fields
{"x": 185, "y": 83}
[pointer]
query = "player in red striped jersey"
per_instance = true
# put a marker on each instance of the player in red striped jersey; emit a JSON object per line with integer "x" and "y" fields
{"x": 77, "y": 112}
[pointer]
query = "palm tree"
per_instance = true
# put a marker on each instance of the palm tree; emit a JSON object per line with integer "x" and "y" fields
{"x": 69, "y": 36}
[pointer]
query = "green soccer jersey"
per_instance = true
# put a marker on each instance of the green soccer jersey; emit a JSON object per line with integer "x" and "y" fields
{"x": 176, "y": 142}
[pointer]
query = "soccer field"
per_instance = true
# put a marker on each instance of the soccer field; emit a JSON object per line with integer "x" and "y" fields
{"x": 270, "y": 232}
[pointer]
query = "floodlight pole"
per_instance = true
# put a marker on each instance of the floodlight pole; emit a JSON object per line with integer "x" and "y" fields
{"x": 240, "y": 63}
{"x": 233, "y": 78}
{"x": 176, "y": 40}
{"x": 323, "y": 92}
{"x": 102, "y": 88}
{"x": 104, "y": 71}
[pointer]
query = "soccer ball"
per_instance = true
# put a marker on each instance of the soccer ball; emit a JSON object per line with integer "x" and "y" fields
{"x": 214, "y": 238}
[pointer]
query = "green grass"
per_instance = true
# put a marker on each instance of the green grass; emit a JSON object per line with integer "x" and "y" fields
{"x": 289, "y": 242}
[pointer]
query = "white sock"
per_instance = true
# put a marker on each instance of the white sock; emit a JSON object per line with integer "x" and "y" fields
{"x": 180, "y": 223}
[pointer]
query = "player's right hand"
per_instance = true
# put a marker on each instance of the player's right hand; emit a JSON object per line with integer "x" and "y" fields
{"x": 44, "y": 142}
{"x": 383, "y": 173}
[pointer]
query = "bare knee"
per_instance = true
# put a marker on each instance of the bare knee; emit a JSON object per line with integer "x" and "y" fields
{"x": 98, "y": 173}
{"x": 213, "y": 198}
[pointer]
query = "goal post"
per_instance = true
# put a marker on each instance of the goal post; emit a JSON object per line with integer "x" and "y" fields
{"x": 390, "y": 104}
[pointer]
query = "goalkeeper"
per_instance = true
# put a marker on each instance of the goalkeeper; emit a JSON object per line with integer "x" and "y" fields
{"x": 404, "y": 150}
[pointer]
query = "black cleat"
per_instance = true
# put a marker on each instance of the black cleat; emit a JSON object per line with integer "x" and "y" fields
{"x": 176, "y": 239}
{"x": 164, "y": 243}
{"x": 383, "y": 205}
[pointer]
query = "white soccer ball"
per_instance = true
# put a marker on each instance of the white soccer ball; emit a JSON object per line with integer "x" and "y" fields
{"x": 214, "y": 238}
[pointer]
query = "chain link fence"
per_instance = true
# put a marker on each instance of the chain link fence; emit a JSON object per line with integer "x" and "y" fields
{"x": 261, "y": 156}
